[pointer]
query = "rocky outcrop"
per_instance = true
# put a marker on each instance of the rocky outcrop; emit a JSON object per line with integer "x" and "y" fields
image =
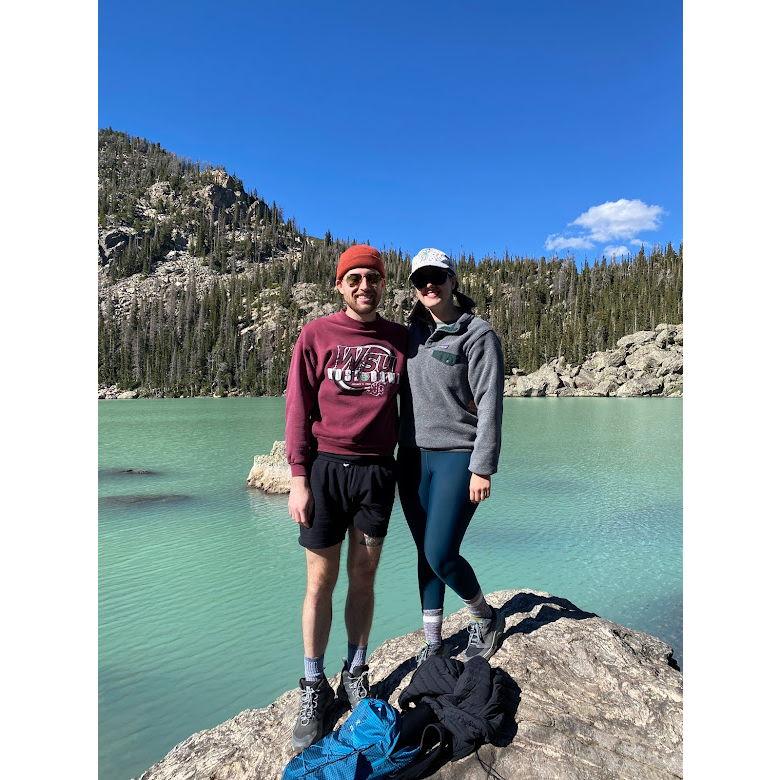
{"x": 647, "y": 363}
{"x": 113, "y": 392}
{"x": 593, "y": 699}
{"x": 271, "y": 473}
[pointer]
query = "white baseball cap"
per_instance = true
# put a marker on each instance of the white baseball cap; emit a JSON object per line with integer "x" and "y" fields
{"x": 434, "y": 258}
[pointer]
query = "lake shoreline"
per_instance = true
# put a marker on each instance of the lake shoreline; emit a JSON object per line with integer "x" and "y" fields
{"x": 648, "y": 363}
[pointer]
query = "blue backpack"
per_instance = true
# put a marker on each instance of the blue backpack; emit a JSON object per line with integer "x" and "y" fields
{"x": 362, "y": 748}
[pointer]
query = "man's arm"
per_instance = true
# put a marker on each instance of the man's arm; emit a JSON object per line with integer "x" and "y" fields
{"x": 301, "y": 397}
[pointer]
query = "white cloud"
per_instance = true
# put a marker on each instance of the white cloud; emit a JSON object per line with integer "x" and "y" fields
{"x": 615, "y": 251}
{"x": 619, "y": 219}
{"x": 556, "y": 241}
{"x": 614, "y": 221}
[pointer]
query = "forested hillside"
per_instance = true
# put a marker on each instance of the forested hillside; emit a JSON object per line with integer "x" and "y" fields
{"x": 203, "y": 287}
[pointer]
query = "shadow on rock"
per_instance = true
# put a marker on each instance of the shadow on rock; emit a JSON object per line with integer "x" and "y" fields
{"x": 551, "y": 608}
{"x": 384, "y": 688}
{"x": 526, "y": 602}
{"x": 512, "y": 695}
{"x": 106, "y": 502}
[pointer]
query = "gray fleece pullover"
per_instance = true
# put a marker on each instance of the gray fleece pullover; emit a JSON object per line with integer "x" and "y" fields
{"x": 453, "y": 391}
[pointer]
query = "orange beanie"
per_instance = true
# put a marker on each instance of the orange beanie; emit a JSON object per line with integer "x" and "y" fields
{"x": 360, "y": 256}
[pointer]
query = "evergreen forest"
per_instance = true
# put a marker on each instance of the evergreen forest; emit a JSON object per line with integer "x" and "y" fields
{"x": 247, "y": 279}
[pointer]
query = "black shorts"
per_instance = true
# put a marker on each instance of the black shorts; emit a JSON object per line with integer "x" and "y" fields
{"x": 349, "y": 490}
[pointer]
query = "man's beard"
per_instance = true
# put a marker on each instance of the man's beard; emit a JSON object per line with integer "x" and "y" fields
{"x": 362, "y": 307}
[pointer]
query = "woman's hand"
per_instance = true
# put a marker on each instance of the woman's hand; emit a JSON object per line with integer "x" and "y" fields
{"x": 479, "y": 488}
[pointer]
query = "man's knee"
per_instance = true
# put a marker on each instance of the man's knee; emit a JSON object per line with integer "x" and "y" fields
{"x": 320, "y": 587}
{"x": 363, "y": 564}
{"x": 321, "y": 579}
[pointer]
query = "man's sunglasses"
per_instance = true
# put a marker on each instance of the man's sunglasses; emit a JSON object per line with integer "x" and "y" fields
{"x": 372, "y": 277}
{"x": 425, "y": 276}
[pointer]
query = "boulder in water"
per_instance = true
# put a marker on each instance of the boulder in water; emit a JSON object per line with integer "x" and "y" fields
{"x": 271, "y": 473}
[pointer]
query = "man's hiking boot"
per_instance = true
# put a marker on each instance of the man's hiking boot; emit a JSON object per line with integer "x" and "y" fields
{"x": 485, "y": 635}
{"x": 427, "y": 651}
{"x": 353, "y": 687}
{"x": 316, "y": 700}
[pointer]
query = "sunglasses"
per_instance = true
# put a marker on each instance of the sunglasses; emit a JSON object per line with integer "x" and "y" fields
{"x": 372, "y": 277}
{"x": 425, "y": 276}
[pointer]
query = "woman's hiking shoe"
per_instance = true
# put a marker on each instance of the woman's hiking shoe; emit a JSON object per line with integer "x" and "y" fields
{"x": 353, "y": 687}
{"x": 485, "y": 636}
{"x": 316, "y": 700}
{"x": 427, "y": 651}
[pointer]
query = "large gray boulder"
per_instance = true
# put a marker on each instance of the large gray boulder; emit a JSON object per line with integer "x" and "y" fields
{"x": 646, "y": 358}
{"x": 673, "y": 386}
{"x": 542, "y": 382}
{"x": 593, "y": 700}
{"x": 672, "y": 364}
{"x": 637, "y": 339}
{"x": 585, "y": 379}
{"x": 644, "y": 385}
{"x": 598, "y": 361}
{"x": 607, "y": 386}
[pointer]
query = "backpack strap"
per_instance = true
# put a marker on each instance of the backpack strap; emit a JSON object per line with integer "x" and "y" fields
{"x": 435, "y": 751}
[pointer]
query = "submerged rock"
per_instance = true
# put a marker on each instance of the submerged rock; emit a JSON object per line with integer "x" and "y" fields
{"x": 271, "y": 473}
{"x": 140, "y": 499}
{"x": 594, "y": 700}
{"x": 128, "y": 473}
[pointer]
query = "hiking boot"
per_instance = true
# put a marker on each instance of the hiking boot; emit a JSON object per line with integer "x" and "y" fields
{"x": 485, "y": 635}
{"x": 316, "y": 699}
{"x": 353, "y": 686}
{"x": 427, "y": 651}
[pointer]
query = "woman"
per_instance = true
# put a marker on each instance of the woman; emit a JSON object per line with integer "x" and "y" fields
{"x": 451, "y": 406}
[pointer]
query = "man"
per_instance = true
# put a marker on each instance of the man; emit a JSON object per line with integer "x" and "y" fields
{"x": 341, "y": 431}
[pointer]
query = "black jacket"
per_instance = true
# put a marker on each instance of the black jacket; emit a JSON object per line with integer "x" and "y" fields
{"x": 469, "y": 701}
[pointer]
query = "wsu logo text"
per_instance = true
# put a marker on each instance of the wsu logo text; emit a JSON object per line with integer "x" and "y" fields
{"x": 367, "y": 368}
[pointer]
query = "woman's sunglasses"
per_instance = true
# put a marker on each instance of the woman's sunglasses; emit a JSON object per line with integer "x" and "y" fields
{"x": 425, "y": 276}
{"x": 372, "y": 277}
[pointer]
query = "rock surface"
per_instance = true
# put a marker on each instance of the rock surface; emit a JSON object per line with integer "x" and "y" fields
{"x": 271, "y": 472}
{"x": 594, "y": 700}
{"x": 647, "y": 363}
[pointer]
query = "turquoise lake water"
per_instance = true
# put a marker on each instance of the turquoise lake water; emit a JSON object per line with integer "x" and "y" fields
{"x": 201, "y": 579}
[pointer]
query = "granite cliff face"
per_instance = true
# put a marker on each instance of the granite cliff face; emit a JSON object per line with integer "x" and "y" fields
{"x": 593, "y": 700}
{"x": 646, "y": 363}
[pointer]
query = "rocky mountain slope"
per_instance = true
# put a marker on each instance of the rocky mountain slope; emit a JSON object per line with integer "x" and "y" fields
{"x": 164, "y": 221}
{"x": 203, "y": 286}
{"x": 593, "y": 700}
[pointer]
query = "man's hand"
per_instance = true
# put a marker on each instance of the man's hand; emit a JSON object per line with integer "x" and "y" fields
{"x": 479, "y": 488}
{"x": 300, "y": 503}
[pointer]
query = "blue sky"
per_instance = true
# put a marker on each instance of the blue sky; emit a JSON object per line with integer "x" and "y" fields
{"x": 540, "y": 128}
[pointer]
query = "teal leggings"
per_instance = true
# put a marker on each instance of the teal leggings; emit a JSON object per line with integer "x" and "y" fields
{"x": 434, "y": 489}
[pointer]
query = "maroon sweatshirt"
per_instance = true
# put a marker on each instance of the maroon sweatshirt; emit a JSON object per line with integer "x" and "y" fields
{"x": 341, "y": 389}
